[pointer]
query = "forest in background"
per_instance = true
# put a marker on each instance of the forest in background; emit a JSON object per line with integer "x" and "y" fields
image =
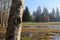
{"x": 41, "y": 16}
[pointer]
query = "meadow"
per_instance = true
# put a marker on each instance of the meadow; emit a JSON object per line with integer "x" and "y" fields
{"x": 40, "y": 23}
{"x": 32, "y": 30}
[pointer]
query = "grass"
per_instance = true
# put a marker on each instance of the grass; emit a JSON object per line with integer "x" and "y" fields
{"x": 46, "y": 30}
{"x": 34, "y": 30}
{"x": 40, "y": 23}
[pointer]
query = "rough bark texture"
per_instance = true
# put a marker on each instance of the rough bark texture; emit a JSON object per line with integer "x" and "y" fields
{"x": 14, "y": 22}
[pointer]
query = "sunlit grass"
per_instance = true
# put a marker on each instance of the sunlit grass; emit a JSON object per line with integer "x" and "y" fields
{"x": 40, "y": 23}
{"x": 2, "y": 29}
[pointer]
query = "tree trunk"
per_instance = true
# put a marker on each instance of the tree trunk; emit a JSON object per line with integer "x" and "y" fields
{"x": 15, "y": 20}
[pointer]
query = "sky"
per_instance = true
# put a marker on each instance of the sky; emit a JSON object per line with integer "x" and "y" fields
{"x": 33, "y": 4}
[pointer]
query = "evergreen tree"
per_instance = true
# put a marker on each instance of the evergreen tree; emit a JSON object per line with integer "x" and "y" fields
{"x": 34, "y": 16}
{"x": 46, "y": 15}
{"x": 57, "y": 12}
{"x": 37, "y": 15}
{"x": 45, "y": 11}
{"x": 26, "y": 15}
{"x": 53, "y": 15}
{"x": 53, "y": 12}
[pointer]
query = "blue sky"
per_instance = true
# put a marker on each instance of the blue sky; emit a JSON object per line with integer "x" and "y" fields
{"x": 33, "y": 4}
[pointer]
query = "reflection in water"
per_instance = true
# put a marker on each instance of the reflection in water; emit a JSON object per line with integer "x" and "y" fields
{"x": 53, "y": 36}
{"x": 56, "y": 26}
{"x": 57, "y": 37}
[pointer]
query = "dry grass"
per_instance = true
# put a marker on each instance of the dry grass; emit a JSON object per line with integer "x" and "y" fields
{"x": 46, "y": 30}
{"x": 40, "y": 23}
{"x": 34, "y": 30}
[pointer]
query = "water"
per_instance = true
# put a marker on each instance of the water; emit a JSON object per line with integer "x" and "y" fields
{"x": 55, "y": 26}
{"x": 56, "y": 37}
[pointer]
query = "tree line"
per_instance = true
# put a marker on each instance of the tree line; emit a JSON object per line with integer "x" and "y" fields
{"x": 41, "y": 16}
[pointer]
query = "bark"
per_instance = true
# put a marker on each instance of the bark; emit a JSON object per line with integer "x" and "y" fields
{"x": 15, "y": 21}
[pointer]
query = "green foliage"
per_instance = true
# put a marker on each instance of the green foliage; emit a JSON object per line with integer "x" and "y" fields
{"x": 26, "y": 15}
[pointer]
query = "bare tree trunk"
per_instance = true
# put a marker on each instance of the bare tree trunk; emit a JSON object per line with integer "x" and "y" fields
{"x": 14, "y": 22}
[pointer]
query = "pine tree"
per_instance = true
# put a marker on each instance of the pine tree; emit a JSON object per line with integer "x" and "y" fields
{"x": 26, "y": 15}
{"x": 37, "y": 14}
{"x": 57, "y": 12}
{"x": 53, "y": 12}
{"x": 45, "y": 11}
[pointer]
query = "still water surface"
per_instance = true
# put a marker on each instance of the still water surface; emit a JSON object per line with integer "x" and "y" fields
{"x": 56, "y": 37}
{"x": 54, "y": 26}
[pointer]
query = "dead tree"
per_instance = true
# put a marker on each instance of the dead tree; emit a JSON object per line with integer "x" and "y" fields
{"x": 15, "y": 20}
